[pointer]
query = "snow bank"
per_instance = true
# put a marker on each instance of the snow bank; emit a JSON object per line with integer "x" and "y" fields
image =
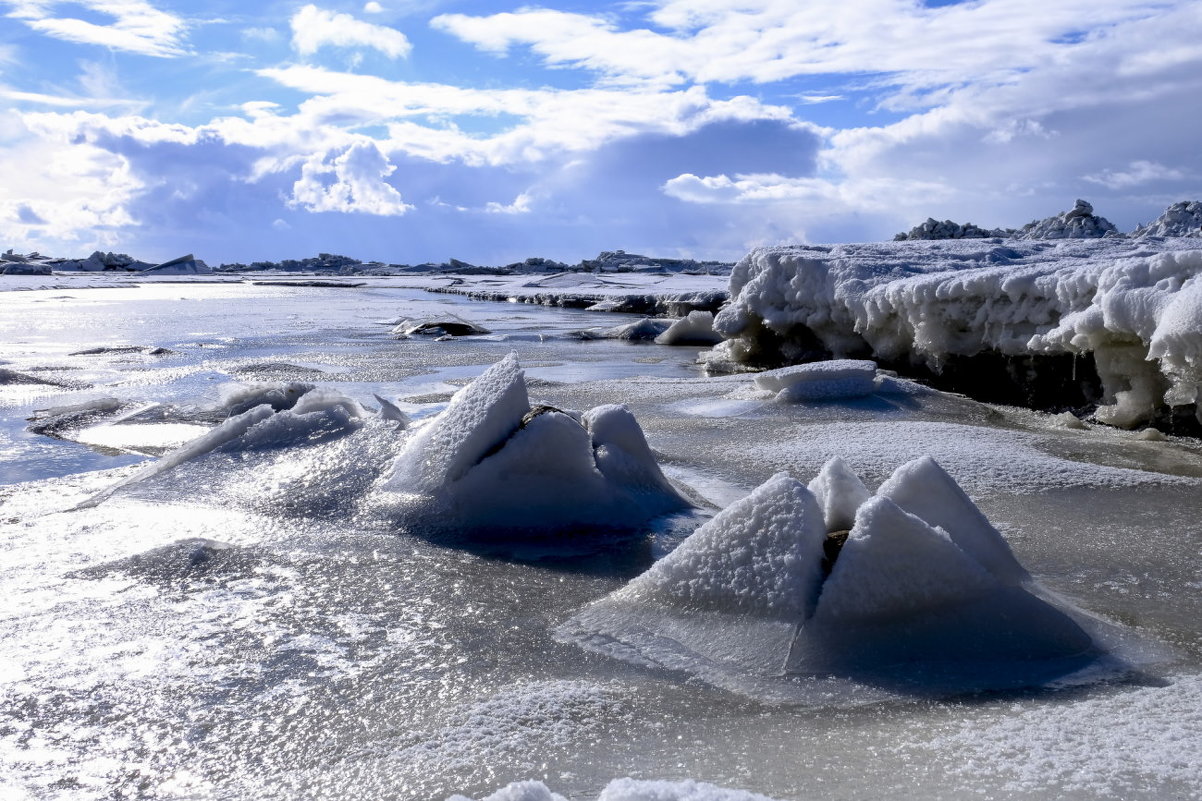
{"x": 1133, "y": 306}
{"x": 626, "y": 790}
{"x": 491, "y": 463}
{"x": 922, "y": 595}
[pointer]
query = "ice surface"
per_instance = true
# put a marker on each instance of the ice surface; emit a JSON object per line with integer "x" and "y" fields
{"x": 490, "y": 463}
{"x": 697, "y": 328}
{"x": 1132, "y": 304}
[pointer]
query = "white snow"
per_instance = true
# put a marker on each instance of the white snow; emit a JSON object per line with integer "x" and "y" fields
{"x": 1135, "y": 305}
{"x": 491, "y": 463}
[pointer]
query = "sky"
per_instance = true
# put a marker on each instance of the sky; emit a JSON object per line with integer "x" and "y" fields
{"x": 491, "y": 131}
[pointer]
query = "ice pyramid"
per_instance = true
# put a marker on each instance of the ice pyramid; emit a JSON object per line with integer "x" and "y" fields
{"x": 923, "y": 596}
{"x": 491, "y": 464}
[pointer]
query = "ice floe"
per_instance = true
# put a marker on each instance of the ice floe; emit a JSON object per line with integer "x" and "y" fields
{"x": 921, "y": 596}
{"x": 492, "y": 463}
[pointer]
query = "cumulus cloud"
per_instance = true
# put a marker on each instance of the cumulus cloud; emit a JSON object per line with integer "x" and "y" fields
{"x": 373, "y": 7}
{"x": 314, "y": 28}
{"x": 350, "y": 181}
{"x": 136, "y": 27}
{"x": 520, "y": 205}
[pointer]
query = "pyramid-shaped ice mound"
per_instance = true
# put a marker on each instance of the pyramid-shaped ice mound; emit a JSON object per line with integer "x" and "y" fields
{"x": 491, "y": 464}
{"x": 924, "y": 594}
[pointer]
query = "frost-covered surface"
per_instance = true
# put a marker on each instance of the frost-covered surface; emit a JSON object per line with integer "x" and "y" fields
{"x": 1131, "y": 305}
{"x": 825, "y": 380}
{"x": 248, "y": 626}
{"x": 491, "y": 463}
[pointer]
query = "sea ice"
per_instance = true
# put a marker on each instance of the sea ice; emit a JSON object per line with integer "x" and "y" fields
{"x": 491, "y": 463}
{"x": 923, "y": 597}
{"x": 444, "y": 325}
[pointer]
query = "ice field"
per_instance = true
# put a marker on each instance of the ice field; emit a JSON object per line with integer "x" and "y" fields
{"x": 265, "y": 549}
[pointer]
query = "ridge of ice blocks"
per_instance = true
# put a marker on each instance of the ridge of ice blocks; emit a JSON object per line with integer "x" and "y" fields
{"x": 825, "y": 380}
{"x": 774, "y": 598}
{"x": 1133, "y": 306}
{"x": 491, "y": 464}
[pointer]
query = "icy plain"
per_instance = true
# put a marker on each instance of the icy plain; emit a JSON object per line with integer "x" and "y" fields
{"x": 253, "y": 624}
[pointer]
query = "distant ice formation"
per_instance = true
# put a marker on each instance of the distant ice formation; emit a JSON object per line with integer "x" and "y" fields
{"x": 1079, "y": 222}
{"x": 1134, "y": 307}
{"x": 911, "y": 590}
{"x": 491, "y": 464}
{"x": 1179, "y": 219}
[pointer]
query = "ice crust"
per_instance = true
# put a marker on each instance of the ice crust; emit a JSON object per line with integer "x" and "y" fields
{"x": 491, "y": 463}
{"x": 1135, "y": 305}
{"x": 908, "y": 604}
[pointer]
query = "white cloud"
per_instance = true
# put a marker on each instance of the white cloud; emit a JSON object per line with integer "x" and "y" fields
{"x": 357, "y": 184}
{"x": 137, "y": 26}
{"x": 373, "y": 7}
{"x": 1138, "y": 172}
{"x": 314, "y": 28}
{"x": 520, "y": 205}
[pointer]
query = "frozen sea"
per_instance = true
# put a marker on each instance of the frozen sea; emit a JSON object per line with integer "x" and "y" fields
{"x": 321, "y": 652}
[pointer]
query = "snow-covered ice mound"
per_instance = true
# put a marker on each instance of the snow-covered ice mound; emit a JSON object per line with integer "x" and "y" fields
{"x": 695, "y": 328}
{"x": 492, "y": 464}
{"x": 825, "y": 380}
{"x": 277, "y": 416}
{"x": 1130, "y": 306}
{"x": 773, "y": 597}
{"x": 1079, "y": 222}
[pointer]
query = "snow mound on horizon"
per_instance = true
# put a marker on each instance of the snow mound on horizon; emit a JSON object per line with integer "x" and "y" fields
{"x": 1079, "y": 222}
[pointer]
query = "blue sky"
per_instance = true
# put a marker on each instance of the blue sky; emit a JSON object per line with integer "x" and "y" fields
{"x": 490, "y": 131}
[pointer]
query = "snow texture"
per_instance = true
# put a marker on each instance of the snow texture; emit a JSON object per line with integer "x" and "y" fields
{"x": 761, "y": 556}
{"x": 1135, "y": 305}
{"x": 907, "y": 604}
{"x": 697, "y": 328}
{"x": 491, "y": 463}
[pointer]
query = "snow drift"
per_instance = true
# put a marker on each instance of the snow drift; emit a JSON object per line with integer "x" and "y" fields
{"x": 922, "y": 595}
{"x": 1131, "y": 308}
{"x": 492, "y": 464}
